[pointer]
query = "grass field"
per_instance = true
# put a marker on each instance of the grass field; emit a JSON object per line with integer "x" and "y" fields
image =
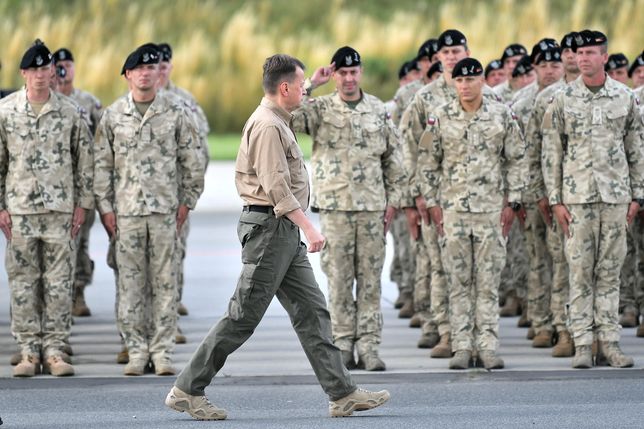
{"x": 223, "y": 147}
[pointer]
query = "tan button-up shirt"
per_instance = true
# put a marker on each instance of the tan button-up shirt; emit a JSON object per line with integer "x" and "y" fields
{"x": 270, "y": 169}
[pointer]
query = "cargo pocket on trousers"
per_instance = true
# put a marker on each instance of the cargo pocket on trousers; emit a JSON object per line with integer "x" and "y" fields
{"x": 250, "y": 237}
{"x": 242, "y": 304}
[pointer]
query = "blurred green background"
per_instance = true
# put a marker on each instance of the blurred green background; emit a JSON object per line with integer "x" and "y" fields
{"x": 219, "y": 46}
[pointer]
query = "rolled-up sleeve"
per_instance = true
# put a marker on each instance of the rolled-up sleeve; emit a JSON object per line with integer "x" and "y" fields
{"x": 268, "y": 156}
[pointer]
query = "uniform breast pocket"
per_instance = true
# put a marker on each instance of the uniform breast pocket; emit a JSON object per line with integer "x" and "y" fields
{"x": 616, "y": 120}
{"x": 124, "y": 139}
{"x": 374, "y": 134}
{"x": 331, "y": 130}
{"x": 574, "y": 122}
{"x": 492, "y": 140}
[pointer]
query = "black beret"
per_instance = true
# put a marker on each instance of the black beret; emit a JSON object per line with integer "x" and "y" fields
{"x": 616, "y": 61}
{"x": 541, "y": 46}
{"x": 513, "y": 50}
{"x": 493, "y": 65}
{"x": 639, "y": 62}
{"x": 36, "y": 56}
{"x": 437, "y": 67}
{"x": 524, "y": 66}
{"x": 166, "y": 51}
{"x": 568, "y": 41}
{"x": 428, "y": 49}
{"x": 552, "y": 54}
{"x": 451, "y": 38}
{"x": 63, "y": 54}
{"x": 144, "y": 54}
{"x": 346, "y": 56}
{"x": 467, "y": 67}
{"x": 589, "y": 38}
{"x": 404, "y": 69}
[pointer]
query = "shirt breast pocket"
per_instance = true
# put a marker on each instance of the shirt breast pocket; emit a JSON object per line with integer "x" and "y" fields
{"x": 331, "y": 132}
{"x": 616, "y": 120}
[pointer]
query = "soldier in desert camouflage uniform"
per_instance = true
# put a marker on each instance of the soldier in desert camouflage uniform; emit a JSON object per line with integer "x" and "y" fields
{"x": 549, "y": 267}
{"x": 165, "y": 68}
{"x": 357, "y": 178}
{"x": 45, "y": 187}
{"x": 593, "y": 168}
{"x": 149, "y": 174}
{"x": 549, "y": 70}
{"x": 64, "y": 59}
{"x": 414, "y": 297}
{"x": 470, "y": 156}
{"x": 510, "y": 58}
{"x": 452, "y": 46}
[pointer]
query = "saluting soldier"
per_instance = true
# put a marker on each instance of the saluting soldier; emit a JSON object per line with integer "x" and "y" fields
{"x": 357, "y": 185}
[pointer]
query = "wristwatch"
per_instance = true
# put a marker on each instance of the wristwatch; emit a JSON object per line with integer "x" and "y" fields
{"x": 515, "y": 206}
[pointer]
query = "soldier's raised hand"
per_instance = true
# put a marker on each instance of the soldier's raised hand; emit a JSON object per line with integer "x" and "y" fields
{"x": 5, "y": 223}
{"x": 322, "y": 75}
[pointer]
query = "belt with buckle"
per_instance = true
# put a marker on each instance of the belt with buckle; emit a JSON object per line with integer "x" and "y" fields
{"x": 258, "y": 209}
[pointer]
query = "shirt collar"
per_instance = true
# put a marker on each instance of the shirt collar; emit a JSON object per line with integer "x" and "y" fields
{"x": 280, "y": 112}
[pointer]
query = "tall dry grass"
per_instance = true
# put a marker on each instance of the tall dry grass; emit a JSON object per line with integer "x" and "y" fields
{"x": 220, "y": 45}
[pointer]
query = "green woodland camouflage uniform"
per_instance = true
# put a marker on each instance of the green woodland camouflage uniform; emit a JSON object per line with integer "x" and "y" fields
{"x": 145, "y": 168}
{"x": 357, "y": 172}
{"x": 84, "y": 264}
{"x": 412, "y": 126}
{"x": 548, "y": 282}
{"x": 466, "y": 164}
{"x": 46, "y": 171}
{"x": 593, "y": 162}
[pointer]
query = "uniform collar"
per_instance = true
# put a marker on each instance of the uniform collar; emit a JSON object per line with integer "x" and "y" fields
{"x": 52, "y": 104}
{"x": 362, "y": 106}
{"x": 481, "y": 114}
{"x": 275, "y": 108}
{"x": 155, "y": 106}
{"x": 581, "y": 90}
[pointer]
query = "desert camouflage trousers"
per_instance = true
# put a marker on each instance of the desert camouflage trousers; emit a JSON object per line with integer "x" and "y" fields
{"x": 473, "y": 253}
{"x": 145, "y": 253}
{"x": 514, "y": 278}
{"x": 595, "y": 252}
{"x": 354, "y": 253}
{"x": 84, "y": 264}
{"x": 628, "y": 277}
{"x": 548, "y": 277}
{"x": 40, "y": 266}
{"x": 403, "y": 264}
{"x": 437, "y": 284}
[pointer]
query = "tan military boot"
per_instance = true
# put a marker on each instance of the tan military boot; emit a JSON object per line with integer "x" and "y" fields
{"x": 182, "y": 310}
{"x": 488, "y": 359}
{"x": 400, "y": 301}
{"x": 583, "y": 357}
{"x": 199, "y": 407}
{"x": 359, "y": 400}
{"x": 163, "y": 366}
{"x": 629, "y": 318}
{"x": 27, "y": 367}
{"x": 407, "y": 310}
{"x": 564, "y": 346}
{"x": 640, "y": 331}
{"x": 135, "y": 367}
{"x": 123, "y": 356}
{"x": 523, "y": 321}
{"x": 55, "y": 365}
{"x": 443, "y": 349}
{"x": 543, "y": 339}
{"x": 462, "y": 360}
{"x": 416, "y": 321}
{"x": 179, "y": 338}
{"x": 79, "y": 306}
{"x": 16, "y": 358}
{"x": 530, "y": 334}
{"x": 609, "y": 353}
{"x": 511, "y": 307}
{"x": 371, "y": 362}
{"x": 428, "y": 341}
